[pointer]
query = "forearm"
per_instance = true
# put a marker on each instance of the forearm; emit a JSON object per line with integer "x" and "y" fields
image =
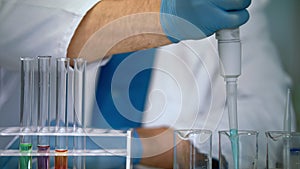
{"x": 157, "y": 147}
{"x": 118, "y": 26}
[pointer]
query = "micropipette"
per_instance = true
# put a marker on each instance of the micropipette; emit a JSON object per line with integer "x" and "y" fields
{"x": 229, "y": 47}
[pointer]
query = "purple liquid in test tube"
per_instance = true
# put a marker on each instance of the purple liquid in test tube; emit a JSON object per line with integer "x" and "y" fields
{"x": 43, "y": 161}
{"x": 43, "y": 109}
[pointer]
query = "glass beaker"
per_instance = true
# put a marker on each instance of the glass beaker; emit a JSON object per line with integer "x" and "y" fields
{"x": 192, "y": 149}
{"x": 283, "y": 149}
{"x": 239, "y": 151}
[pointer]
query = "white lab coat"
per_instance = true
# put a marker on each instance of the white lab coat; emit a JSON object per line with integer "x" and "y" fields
{"x": 186, "y": 91}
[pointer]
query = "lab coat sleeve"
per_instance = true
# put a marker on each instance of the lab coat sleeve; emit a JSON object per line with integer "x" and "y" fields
{"x": 34, "y": 28}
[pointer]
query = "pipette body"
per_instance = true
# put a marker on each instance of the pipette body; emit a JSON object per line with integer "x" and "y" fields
{"x": 229, "y": 48}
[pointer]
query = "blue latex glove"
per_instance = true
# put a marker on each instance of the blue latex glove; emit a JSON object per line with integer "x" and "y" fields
{"x": 197, "y": 19}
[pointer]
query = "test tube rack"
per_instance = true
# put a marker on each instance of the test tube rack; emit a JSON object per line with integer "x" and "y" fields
{"x": 70, "y": 133}
{"x": 36, "y": 138}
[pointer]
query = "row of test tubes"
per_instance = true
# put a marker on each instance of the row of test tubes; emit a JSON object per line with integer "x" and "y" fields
{"x": 36, "y": 86}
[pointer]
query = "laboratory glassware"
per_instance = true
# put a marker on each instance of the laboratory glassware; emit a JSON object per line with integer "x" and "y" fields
{"x": 27, "y": 109}
{"x": 248, "y": 149}
{"x": 277, "y": 144}
{"x": 192, "y": 149}
{"x": 43, "y": 109}
{"x": 30, "y": 131}
{"x": 61, "y": 144}
{"x": 78, "y": 114}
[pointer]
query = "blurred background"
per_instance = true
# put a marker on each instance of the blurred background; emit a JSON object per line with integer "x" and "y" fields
{"x": 284, "y": 22}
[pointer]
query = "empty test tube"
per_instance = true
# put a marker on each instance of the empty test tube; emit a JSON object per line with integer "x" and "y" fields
{"x": 27, "y": 107}
{"x": 61, "y": 147}
{"x": 79, "y": 82}
{"x": 43, "y": 109}
{"x": 79, "y": 79}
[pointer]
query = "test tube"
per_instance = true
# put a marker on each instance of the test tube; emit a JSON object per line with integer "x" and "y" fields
{"x": 43, "y": 109}
{"x": 27, "y": 107}
{"x": 79, "y": 125}
{"x": 61, "y": 148}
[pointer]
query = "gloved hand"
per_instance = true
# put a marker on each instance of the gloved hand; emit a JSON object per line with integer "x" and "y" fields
{"x": 197, "y": 19}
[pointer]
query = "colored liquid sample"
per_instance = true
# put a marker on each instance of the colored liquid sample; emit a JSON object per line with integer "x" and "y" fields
{"x": 235, "y": 147}
{"x": 61, "y": 162}
{"x": 25, "y": 162}
{"x": 43, "y": 161}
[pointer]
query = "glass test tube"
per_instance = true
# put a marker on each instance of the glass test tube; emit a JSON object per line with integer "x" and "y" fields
{"x": 61, "y": 147}
{"x": 79, "y": 125}
{"x": 43, "y": 109}
{"x": 27, "y": 107}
